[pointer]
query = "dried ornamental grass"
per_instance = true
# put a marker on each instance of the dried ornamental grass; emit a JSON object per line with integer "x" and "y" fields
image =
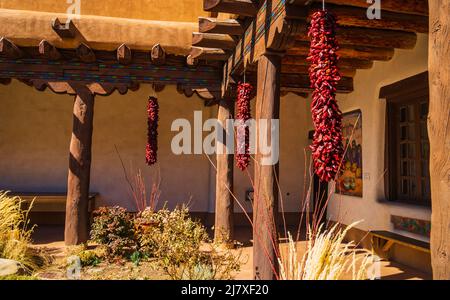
{"x": 15, "y": 237}
{"x": 327, "y": 257}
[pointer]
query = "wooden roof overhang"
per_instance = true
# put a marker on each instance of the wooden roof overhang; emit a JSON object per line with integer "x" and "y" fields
{"x": 106, "y": 54}
{"x": 281, "y": 26}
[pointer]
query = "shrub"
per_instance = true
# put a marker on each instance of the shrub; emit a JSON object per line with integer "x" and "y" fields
{"x": 15, "y": 237}
{"x": 180, "y": 245}
{"x": 114, "y": 228}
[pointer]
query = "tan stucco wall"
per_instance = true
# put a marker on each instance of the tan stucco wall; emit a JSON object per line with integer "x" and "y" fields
{"x": 367, "y": 85}
{"x": 35, "y": 131}
{"x": 167, "y": 10}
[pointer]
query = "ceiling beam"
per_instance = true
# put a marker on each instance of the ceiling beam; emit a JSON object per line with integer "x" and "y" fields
{"x": 356, "y": 16}
{"x": 246, "y": 8}
{"x": 345, "y": 63}
{"x": 158, "y": 55}
{"x": 48, "y": 51}
{"x": 361, "y": 52}
{"x": 213, "y": 40}
{"x": 304, "y": 69}
{"x": 66, "y": 30}
{"x": 371, "y": 37}
{"x": 85, "y": 53}
{"x": 9, "y": 50}
{"x": 214, "y": 54}
{"x": 419, "y": 7}
{"x": 124, "y": 55}
{"x": 214, "y": 25}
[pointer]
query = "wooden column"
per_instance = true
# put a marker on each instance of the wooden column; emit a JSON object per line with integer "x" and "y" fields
{"x": 77, "y": 216}
{"x": 223, "y": 228}
{"x": 439, "y": 135}
{"x": 265, "y": 206}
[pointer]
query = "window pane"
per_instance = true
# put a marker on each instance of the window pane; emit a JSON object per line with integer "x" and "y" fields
{"x": 403, "y": 151}
{"x": 411, "y": 150}
{"x": 405, "y": 187}
{"x": 423, "y": 110}
{"x": 425, "y": 169}
{"x": 423, "y": 130}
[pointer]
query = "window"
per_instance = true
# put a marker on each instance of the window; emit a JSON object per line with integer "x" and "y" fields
{"x": 407, "y": 144}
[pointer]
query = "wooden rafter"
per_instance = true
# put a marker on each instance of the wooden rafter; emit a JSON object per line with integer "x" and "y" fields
{"x": 246, "y": 8}
{"x": 85, "y": 53}
{"x": 213, "y": 40}
{"x": 48, "y": 51}
{"x": 201, "y": 53}
{"x": 158, "y": 55}
{"x": 360, "y": 52}
{"x": 214, "y": 25}
{"x": 124, "y": 54}
{"x": 419, "y": 7}
{"x": 65, "y": 30}
{"x": 355, "y": 16}
{"x": 9, "y": 50}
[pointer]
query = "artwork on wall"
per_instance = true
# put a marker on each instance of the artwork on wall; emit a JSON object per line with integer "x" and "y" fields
{"x": 416, "y": 226}
{"x": 350, "y": 181}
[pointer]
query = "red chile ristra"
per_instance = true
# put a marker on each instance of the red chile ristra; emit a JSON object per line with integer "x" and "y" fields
{"x": 244, "y": 93}
{"x": 327, "y": 147}
{"x": 152, "y": 133}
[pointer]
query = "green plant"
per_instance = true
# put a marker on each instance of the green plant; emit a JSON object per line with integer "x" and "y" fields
{"x": 15, "y": 236}
{"x": 182, "y": 247}
{"x": 114, "y": 228}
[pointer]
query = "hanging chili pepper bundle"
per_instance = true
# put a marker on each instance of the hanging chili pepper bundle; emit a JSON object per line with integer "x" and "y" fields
{"x": 152, "y": 133}
{"x": 327, "y": 147}
{"x": 244, "y": 93}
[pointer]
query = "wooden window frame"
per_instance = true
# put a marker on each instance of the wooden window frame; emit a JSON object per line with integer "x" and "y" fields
{"x": 409, "y": 90}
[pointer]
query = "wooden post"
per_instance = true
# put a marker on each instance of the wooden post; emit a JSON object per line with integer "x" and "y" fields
{"x": 265, "y": 206}
{"x": 439, "y": 135}
{"x": 223, "y": 228}
{"x": 77, "y": 215}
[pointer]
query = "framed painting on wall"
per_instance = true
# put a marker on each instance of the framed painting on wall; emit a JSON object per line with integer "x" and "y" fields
{"x": 350, "y": 181}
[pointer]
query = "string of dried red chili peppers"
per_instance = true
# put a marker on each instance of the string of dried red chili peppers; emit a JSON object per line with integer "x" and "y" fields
{"x": 244, "y": 92}
{"x": 327, "y": 147}
{"x": 151, "y": 156}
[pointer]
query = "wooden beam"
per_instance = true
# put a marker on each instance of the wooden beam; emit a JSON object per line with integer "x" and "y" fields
{"x": 371, "y": 37}
{"x": 124, "y": 55}
{"x": 111, "y": 72}
{"x": 66, "y": 30}
{"x": 213, "y": 40}
{"x": 344, "y": 63}
{"x": 5, "y": 81}
{"x": 77, "y": 215}
{"x": 439, "y": 136}
{"x": 355, "y": 16}
{"x": 48, "y": 51}
{"x": 419, "y": 7}
{"x": 158, "y": 55}
{"x": 265, "y": 203}
{"x": 85, "y": 53}
{"x": 212, "y": 54}
{"x": 273, "y": 30}
{"x": 304, "y": 69}
{"x": 302, "y": 83}
{"x": 246, "y": 8}
{"x": 9, "y": 50}
{"x": 158, "y": 87}
{"x": 214, "y": 25}
{"x": 358, "y": 52}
